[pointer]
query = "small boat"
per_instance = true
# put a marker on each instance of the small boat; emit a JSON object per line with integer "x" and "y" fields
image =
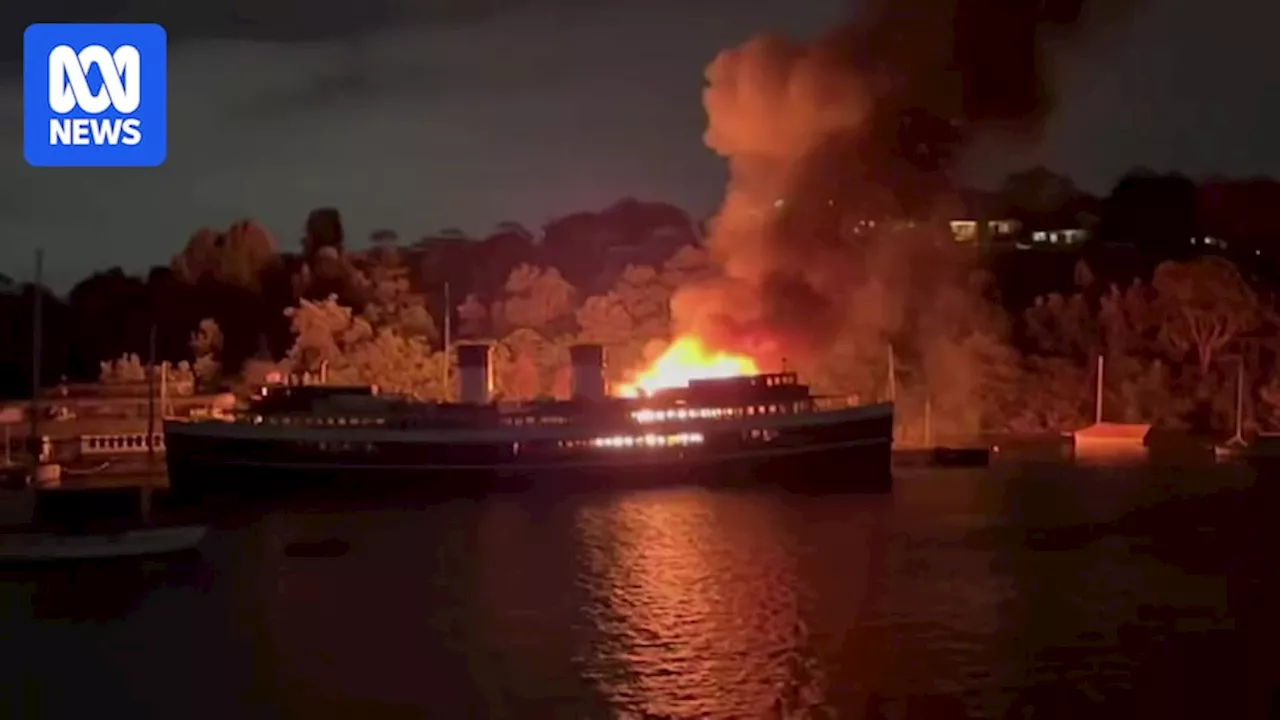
{"x": 1226, "y": 452}
{"x": 13, "y": 476}
{"x": 45, "y": 546}
{"x": 327, "y": 548}
{"x": 962, "y": 456}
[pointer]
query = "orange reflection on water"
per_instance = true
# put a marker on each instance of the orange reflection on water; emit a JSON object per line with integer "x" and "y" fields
{"x": 701, "y": 613}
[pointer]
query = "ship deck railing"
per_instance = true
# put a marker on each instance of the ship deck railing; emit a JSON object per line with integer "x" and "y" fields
{"x": 836, "y": 402}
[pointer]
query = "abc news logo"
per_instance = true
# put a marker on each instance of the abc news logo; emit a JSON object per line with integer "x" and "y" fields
{"x": 69, "y": 90}
{"x": 94, "y": 95}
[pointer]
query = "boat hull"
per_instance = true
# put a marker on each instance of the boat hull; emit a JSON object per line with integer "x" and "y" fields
{"x": 852, "y": 456}
{"x": 42, "y": 547}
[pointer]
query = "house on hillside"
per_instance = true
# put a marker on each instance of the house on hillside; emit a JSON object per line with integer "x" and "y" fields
{"x": 985, "y": 223}
{"x": 993, "y": 224}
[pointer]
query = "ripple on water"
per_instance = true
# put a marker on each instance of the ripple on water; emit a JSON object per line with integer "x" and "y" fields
{"x": 964, "y": 590}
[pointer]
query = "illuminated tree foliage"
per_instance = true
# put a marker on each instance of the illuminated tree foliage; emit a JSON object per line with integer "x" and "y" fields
{"x": 985, "y": 342}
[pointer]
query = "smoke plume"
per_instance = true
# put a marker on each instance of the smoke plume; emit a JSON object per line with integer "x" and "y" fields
{"x": 828, "y": 140}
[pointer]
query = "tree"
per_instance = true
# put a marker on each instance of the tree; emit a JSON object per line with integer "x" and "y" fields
{"x": 206, "y": 344}
{"x": 688, "y": 265}
{"x": 1269, "y": 413}
{"x": 323, "y": 230}
{"x": 1129, "y": 320}
{"x": 536, "y": 298}
{"x": 1042, "y": 199}
{"x": 331, "y": 272}
{"x": 127, "y": 368}
{"x": 1205, "y": 305}
{"x": 352, "y": 351}
{"x": 628, "y": 319}
{"x": 1155, "y": 212}
{"x": 1052, "y": 397}
{"x": 237, "y": 257}
{"x": 527, "y": 366}
{"x": 394, "y": 305}
{"x": 473, "y": 318}
{"x": 384, "y": 238}
{"x": 1063, "y": 326}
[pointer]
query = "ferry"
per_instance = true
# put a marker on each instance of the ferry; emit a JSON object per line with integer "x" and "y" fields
{"x": 762, "y": 429}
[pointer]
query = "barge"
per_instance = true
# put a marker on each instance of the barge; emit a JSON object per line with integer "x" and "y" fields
{"x": 757, "y": 429}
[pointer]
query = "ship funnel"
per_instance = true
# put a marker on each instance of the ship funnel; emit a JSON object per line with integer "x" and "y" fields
{"x": 475, "y": 373}
{"x": 588, "y": 371}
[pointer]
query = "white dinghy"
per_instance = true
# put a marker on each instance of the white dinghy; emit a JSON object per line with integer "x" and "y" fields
{"x": 36, "y": 546}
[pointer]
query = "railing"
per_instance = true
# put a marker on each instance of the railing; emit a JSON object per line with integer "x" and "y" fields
{"x": 836, "y": 402}
{"x": 120, "y": 444}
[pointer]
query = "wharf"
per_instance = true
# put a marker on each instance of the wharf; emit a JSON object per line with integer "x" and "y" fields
{"x": 133, "y": 480}
{"x": 119, "y": 497}
{"x": 108, "y": 493}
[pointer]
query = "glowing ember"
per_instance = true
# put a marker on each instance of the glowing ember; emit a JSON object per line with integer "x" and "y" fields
{"x": 687, "y": 359}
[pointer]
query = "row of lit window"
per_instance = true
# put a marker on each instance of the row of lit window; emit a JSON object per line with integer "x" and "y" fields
{"x": 654, "y": 416}
{"x": 650, "y": 440}
{"x": 521, "y": 420}
{"x": 1208, "y": 240}
{"x": 338, "y": 421}
{"x": 344, "y": 447}
{"x": 1072, "y": 236}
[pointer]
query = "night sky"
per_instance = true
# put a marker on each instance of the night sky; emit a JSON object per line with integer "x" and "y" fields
{"x": 462, "y": 113}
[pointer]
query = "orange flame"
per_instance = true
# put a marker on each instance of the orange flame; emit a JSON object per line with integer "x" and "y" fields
{"x": 688, "y": 358}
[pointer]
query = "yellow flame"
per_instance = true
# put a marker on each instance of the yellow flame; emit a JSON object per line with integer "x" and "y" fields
{"x": 687, "y": 359}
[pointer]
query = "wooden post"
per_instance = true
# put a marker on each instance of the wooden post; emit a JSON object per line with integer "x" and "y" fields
{"x": 928, "y": 420}
{"x": 448, "y": 342}
{"x": 1097, "y": 405}
{"x": 37, "y": 339}
{"x": 893, "y": 379}
{"x": 144, "y": 504}
{"x": 1239, "y": 437}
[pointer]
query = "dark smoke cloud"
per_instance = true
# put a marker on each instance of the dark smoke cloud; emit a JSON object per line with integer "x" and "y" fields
{"x": 975, "y": 62}
{"x": 862, "y": 124}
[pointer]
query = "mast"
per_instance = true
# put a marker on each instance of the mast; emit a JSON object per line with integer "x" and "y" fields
{"x": 1097, "y": 403}
{"x": 1239, "y": 438}
{"x": 893, "y": 380}
{"x": 928, "y": 419}
{"x": 37, "y": 339}
{"x": 151, "y": 394}
{"x": 448, "y": 340}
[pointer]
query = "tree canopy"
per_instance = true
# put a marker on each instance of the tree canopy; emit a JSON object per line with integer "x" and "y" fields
{"x": 1174, "y": 289}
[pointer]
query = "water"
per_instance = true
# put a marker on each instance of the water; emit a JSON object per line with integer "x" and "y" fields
{"x": 1116, "y": 593}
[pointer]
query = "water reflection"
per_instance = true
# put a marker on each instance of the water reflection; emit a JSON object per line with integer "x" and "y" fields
{"x": 1058, "y": 589}
{"x": 381, "y": 618}
{"x": 696, "y": 599}
{"x": 118, "y": 588}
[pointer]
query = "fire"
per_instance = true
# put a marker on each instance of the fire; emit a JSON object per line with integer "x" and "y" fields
{"x": 687, "y": 359}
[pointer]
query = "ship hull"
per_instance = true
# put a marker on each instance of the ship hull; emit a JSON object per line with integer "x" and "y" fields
{"x": 209, "y": 462}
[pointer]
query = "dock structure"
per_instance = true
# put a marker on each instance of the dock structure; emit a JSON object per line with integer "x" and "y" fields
{"x": 119, "y": 497}
{"x": 1107, "y": 440}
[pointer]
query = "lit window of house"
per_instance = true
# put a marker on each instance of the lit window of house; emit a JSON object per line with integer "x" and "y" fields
{"x": 1004, "y": 227}
{"x": 964, "y": 230}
